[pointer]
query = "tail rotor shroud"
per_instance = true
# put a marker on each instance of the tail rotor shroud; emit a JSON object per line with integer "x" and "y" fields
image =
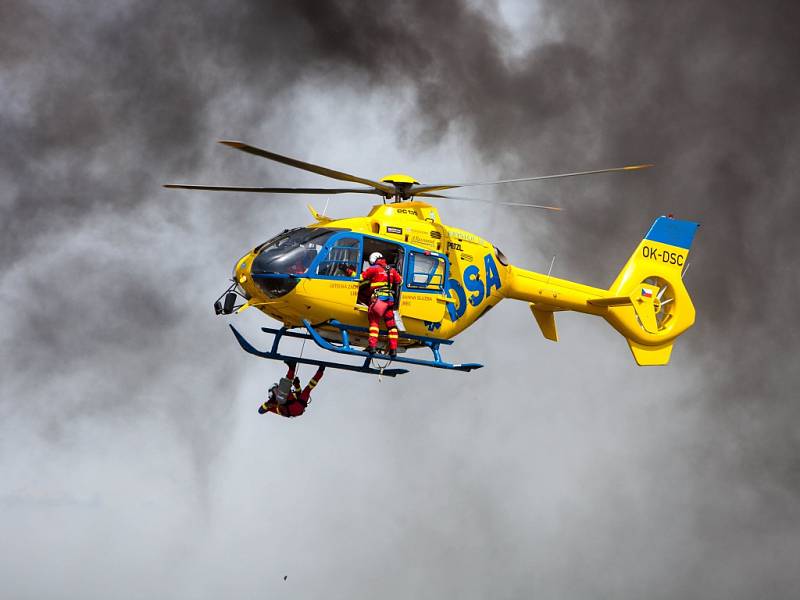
{"x": 663, "y": 303}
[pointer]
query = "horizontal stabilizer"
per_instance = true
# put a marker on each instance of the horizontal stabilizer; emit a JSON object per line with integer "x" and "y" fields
{"x": 611, "y": 301}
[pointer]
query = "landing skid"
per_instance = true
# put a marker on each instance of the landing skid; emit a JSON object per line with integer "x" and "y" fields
{"x": 273, "y": 354}
{"x": 311, "y": 333}
{"x": 345, "y": 347}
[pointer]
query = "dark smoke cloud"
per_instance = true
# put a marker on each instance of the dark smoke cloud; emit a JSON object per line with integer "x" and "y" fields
{"x": 106, "y": 282}
{"x": 707, "y": 92}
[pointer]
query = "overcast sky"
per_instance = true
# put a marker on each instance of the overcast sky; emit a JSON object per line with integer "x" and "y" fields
{"x": 133, "y": 462}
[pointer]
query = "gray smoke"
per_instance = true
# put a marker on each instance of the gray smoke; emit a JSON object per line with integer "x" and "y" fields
{"x": 131, "y": 456}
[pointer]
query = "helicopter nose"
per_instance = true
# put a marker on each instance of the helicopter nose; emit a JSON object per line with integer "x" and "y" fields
{"x": 226, "y": 303}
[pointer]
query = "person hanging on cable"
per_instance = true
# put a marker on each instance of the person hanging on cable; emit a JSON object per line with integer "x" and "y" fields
{"x": 384, "y": 281}
{"x": 285, "y": 397}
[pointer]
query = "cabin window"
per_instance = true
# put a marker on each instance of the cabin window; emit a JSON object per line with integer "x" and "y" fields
{"x": 343, "y": 256}
{"x": 426, "y": 272}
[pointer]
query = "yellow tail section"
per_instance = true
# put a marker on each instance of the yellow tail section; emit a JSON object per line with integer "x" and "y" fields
{"x": 660, "y": 308}
{"x": 647, "y": 303}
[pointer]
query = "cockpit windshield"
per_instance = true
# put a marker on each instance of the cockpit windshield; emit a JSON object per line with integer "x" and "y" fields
{"x": 290, "y": 253}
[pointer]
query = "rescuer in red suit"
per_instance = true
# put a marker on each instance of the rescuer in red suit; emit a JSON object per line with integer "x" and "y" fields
{"x": 382, "y": 280}
{"x": 295, "y": 401}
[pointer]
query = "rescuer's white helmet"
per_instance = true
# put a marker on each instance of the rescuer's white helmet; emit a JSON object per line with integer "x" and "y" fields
{"x": 374, "y": 257}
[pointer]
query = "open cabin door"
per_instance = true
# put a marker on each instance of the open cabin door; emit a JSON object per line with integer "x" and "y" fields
{"x": 423, "y": 286}
{"x": 395, "y": 257}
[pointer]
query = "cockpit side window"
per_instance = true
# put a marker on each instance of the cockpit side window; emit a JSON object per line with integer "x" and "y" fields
{"x": 342, "y": 259}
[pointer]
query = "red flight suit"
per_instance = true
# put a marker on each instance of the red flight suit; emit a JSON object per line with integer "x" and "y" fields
{"x": 382, "y": 279}
{"x": 296, "y": 401}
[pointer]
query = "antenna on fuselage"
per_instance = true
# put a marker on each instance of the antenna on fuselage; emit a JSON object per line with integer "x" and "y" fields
{"x": 550, "y": 270}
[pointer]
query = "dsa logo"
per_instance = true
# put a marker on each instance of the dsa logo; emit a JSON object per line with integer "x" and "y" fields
{"x": 474, "y": 289}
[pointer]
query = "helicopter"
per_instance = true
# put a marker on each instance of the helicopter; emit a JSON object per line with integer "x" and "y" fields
{"x": 308, "y": 278}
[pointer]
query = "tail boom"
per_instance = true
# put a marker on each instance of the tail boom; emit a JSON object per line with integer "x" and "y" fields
{"x": 647, "y": 303}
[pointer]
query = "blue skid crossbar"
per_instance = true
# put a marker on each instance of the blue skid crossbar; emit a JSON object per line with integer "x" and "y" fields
{"x": 346, "y": 348}
{"x": 273, "y": 354}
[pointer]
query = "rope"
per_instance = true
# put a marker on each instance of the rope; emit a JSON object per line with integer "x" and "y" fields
{"x": 297, "y": 368}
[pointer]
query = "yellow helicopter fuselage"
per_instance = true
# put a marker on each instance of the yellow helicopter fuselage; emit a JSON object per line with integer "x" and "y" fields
{"x": 453, "y": 277}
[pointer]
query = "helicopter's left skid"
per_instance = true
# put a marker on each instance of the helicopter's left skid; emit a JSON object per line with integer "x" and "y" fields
{"x": 346, "y": 348}
{"x": 273, "y": 354}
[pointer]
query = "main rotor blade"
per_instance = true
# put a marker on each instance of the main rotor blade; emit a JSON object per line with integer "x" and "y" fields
{"x": 293, "y": 162}
{"x": 446, "y": 186}
{"x": 428, "y": 195}
{"x": 270, "y": 190}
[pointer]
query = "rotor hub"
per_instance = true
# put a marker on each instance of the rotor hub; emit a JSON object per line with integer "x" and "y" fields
{"x": 402, "y": 184}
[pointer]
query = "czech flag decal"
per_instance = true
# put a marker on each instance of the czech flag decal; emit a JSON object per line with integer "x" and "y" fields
{"x": 647, "y": 293}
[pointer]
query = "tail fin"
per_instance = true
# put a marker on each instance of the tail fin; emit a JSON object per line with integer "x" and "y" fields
{"x": 649, "y": 304}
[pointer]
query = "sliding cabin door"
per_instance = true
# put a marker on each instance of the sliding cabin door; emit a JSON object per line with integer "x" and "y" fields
{"x": 423, "y": 286}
